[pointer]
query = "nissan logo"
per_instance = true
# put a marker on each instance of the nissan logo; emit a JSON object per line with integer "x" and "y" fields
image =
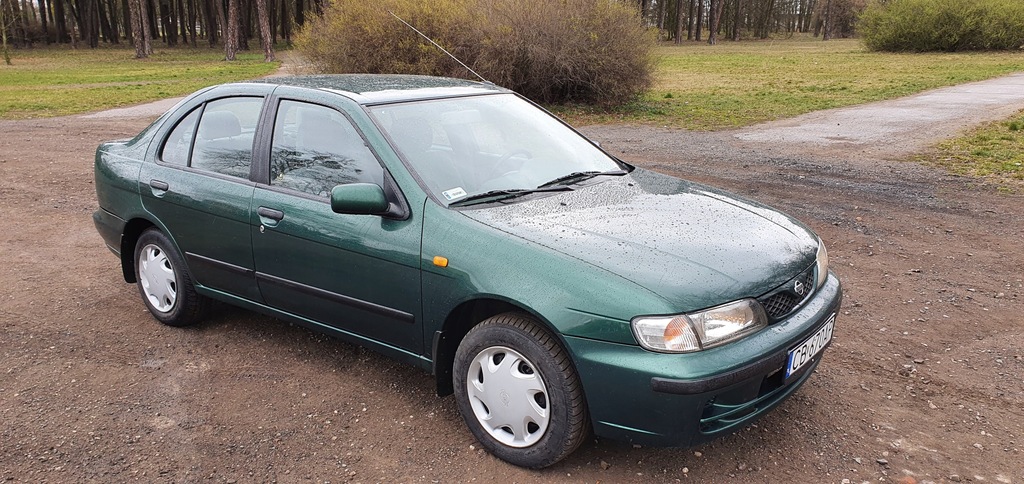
{"x": 799, "y": 288}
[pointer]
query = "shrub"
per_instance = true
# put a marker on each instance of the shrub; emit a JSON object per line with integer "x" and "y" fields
{"x": 943, "y": 25}
{"x": 591, "y": 51}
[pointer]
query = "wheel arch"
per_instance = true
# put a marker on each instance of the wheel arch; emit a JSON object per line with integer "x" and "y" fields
{"x": 129, "y": 238}
{"x": 458, "y": 323}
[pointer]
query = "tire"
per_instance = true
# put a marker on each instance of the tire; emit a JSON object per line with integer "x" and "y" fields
{"x": 164, "y": 281}
{"x": 518, "y": 391}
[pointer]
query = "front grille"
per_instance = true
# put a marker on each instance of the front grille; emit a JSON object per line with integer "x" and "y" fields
{"x": 788, "y": 297}
{"x": 779, "y": 304}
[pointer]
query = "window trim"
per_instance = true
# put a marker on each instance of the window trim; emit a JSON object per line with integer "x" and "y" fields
{"x": 201, "y": 106}
{"x": 400, "y": 208}
{"x": 271, "y": 128}
{"x": 191, "y": 143}
{"x": 252, "y": 150}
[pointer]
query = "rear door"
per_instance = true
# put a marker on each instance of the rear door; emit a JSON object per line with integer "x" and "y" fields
{"x": 356, "y": 273}
{"x": 200, "y": 190}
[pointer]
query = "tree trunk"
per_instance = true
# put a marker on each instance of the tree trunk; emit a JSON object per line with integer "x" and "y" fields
{"x": 85, "y": 16}
{"x": 152, "y": 10}
{"x": 138, "y": 36}
{"x": 244, "y": 25}
{"x": 147, "y": 26}
{"x": 679, "y": 22}
{"x": 300, "y": 13}
{"x": 75, "y": 14}
{"x": 712, "y": 36}
{"x": 286, "y": 31}
{"x": 16, "y": 22}
{"x": 268, "y": 45}
{"x": 129, "y": 34}
{"x": 700, "y": 20}
{"x": 182, "y": 20}
{"x": 213, "y": 20}
{"x": 109, "y": 33}
{"x": 59, "y": 21}
{"x": 827, "y": 35}
{"x": 689, "y": 20}
{"x": 169, "y": 20}
{"x": 231, "y": 35}
{"x": 42, "y": 20}
{"x": 273, "y": 21}
{"x": 3, "y": 34}
{"x": 192, "y": 14}
{"x": 737, "y": 21}
{"x": 716, "y": 17}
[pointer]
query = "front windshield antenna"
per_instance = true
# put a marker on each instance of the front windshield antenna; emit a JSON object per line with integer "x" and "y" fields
{"x": 438, "y": 46}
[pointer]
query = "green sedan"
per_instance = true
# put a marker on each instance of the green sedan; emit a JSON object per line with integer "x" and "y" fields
{"x": 456, "y": 226}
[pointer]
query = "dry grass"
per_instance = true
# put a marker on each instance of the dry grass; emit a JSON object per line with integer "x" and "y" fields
{"x": 994, "y": 152}
{"x": 59, "y": 81}
{"x": 734, "y": 84}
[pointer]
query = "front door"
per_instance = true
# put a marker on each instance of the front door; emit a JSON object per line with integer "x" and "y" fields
{"x": 356, "y": 273}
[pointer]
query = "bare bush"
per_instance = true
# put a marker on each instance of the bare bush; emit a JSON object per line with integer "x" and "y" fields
{"x": 943, "y": 25}
{"x": 593, "y": 51}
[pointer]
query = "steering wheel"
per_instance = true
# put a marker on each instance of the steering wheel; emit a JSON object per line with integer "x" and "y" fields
{"x": 504, "y": 165}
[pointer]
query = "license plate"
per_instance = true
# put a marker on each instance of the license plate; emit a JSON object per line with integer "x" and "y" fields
{"x": 806, "y": 351}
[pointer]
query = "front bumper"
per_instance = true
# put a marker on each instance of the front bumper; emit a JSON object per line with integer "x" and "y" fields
{"x": 661, "y": 399}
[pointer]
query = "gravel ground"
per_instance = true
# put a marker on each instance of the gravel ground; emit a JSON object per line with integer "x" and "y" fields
{"x": 922, "y": 383}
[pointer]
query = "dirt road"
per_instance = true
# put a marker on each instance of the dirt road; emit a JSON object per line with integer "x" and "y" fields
{"x": 924, "y": 379}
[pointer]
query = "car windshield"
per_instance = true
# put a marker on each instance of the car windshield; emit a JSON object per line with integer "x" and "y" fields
{"x": 464, "y": 147}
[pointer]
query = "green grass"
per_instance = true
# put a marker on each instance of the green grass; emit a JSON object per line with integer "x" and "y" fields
{"x": 60, "y": 81}
{"x": 735, "y": 84}
{"x": 994, "y": 151}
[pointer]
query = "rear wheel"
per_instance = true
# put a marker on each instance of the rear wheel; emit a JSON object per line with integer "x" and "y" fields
{"x": 164, "y": 282}
{"x": 518, "y": 391}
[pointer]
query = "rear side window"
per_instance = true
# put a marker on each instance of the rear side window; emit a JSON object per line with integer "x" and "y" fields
{"x": 316, "y": 148}
{"x": 224, "y": 139}
{"x": 179, "y": 143}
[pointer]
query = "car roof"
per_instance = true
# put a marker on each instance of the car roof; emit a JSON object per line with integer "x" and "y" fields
{"x": 386, "y": 88}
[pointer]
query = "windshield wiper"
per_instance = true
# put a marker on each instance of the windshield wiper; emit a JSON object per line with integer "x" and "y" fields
{"x": 504, "y": 194}
{"x": 578, "y": 176}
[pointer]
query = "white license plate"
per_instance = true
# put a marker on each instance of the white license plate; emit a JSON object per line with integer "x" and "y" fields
{"x": 805, "y": 352}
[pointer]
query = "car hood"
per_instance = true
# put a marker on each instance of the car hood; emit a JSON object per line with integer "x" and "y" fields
{"x": 691, "y": 244}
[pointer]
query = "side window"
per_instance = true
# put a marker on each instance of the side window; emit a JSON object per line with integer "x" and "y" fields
{"x": 316, "y": 148}
{"x": 175, "y": 150}
{"x": 224, "y": 138}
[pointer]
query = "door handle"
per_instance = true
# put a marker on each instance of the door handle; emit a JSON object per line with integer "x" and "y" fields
{"x": 159, "y": 185}
{"x": 272, "y": 214}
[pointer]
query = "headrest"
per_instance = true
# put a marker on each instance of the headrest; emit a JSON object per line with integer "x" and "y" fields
{"x": 220, "y": 124}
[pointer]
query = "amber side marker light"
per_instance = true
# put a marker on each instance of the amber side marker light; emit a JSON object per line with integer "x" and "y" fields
{"x": 440, "y": 261}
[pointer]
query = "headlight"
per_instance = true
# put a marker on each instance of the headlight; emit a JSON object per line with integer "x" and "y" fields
{"x": 822, "y": 261}
{"x": 684, "y": 333}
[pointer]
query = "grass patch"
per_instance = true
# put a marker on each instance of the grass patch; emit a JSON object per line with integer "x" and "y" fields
{"x": 59, "y": 81}
{"x": 994, "y": 151}
{"x": 733, "y": 84}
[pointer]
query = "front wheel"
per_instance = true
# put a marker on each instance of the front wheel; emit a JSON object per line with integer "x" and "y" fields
{"x": 164, "y": 282}
{"x": 518, "y": 391}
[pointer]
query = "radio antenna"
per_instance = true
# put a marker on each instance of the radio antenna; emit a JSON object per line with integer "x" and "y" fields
{"x": 438, "y": 46}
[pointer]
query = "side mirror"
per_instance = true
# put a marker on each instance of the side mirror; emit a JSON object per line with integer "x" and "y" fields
{"x": 359, "y": 199}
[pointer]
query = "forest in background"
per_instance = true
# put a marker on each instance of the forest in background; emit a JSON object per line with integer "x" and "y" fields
{"x": 235, "y": 24}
